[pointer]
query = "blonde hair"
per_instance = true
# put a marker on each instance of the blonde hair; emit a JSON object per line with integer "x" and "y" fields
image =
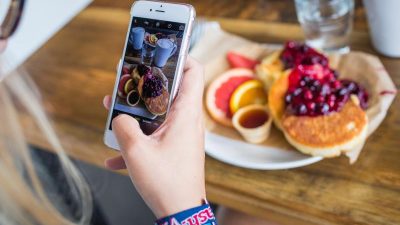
{"x": 23, "y": 192}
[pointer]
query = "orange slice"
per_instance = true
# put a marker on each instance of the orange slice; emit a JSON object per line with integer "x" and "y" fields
{"x": 248, "y": 93}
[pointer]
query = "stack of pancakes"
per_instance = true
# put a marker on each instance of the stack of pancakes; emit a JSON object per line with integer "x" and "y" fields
{"x": 157, "y": 105}
{"x": 324, "y": 135}
{"x": 327, "y": 135}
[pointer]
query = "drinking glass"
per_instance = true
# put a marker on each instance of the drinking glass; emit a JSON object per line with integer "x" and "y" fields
{"x": 147, "y": 54}
{"x": 327, "y": 24}
{"x": 136, "y": 37}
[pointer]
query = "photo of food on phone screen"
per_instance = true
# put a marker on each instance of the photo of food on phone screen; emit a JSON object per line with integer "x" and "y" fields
{"x": 148, "y": 71}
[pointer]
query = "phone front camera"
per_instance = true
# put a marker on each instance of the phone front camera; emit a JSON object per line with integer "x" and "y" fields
{"x": 151, "y": 10}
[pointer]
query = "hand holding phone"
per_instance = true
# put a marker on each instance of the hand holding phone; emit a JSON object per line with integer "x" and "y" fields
{"x": 3, "y": 45}
{"x": 150, "y": 69}
{"x": 167, "y": 167}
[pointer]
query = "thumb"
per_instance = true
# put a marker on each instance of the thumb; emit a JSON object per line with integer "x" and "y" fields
{"x": 128, "y": 132}
{"x": 192, "y": 86}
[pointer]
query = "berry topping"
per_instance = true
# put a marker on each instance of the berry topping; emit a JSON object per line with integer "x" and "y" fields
{"x": 311, "y": 106}
{"x": 356, "y": 89}
{"x": 307, "y": 95}
{"x": 143, "y": 69}
{"x": 318, "y": 92}
{"x": 302, "y": 109}
{"x": 301, "y": 54}
{"x": 152, "y": 86}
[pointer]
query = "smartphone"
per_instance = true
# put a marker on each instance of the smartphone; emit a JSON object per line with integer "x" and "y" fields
{"x": 151, "y": 67}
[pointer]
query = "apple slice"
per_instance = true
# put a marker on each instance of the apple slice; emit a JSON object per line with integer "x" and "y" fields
{"x": 128, "y": 86}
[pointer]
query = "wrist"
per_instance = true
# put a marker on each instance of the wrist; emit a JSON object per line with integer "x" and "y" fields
{"x": 178, "y": 205}
{"x": 197, "y": 215}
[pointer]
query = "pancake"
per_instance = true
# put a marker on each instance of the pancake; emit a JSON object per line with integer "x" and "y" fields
{"x": 328, "y": 135}
{"x": 276, "y": 96}
{"x": 158, "y": 105}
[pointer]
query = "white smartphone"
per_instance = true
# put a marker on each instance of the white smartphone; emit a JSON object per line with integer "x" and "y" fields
{"x": 150, "y": 69}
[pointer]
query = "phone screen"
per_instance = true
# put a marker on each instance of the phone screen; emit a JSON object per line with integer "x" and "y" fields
{"x": 148, "y": 71}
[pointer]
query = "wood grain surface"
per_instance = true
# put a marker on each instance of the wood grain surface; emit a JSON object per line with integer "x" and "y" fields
{"x": 259, "y": 10}
{"x": 76, "y": 68}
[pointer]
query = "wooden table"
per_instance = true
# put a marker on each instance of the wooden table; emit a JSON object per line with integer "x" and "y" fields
{"x": 76, "y": 68}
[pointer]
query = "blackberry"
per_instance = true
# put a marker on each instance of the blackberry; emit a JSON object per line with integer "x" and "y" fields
{"x": 152, "y": 86}
{"x": 143, "y": 69}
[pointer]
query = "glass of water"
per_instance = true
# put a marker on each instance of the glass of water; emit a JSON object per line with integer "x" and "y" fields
{"x": 327, "y": 24}
{"x": 147, "y": 54}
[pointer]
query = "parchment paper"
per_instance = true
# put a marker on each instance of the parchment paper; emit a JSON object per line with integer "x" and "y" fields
{"x": 364, "y": 68}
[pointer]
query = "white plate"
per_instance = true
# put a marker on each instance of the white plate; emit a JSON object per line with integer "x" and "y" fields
{"x": 252, "y": 156}
{"x": 240, "y": 153}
